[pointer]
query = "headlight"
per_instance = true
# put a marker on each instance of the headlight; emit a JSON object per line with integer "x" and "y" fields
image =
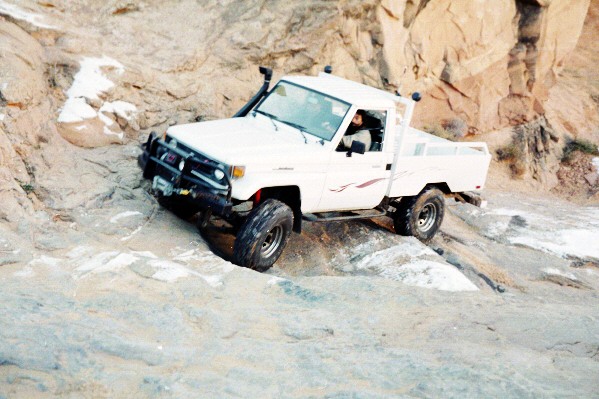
{"x": 237, "y": 172}
{"x": 181, "y": 165}
{"x": 219, "y": 174}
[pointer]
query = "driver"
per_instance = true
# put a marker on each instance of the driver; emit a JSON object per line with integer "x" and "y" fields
{"x": 356, "y": 131}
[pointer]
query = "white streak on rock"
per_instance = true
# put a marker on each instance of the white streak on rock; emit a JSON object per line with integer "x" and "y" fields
{"x": 134, "y": 232}
{"x": 401, "y": 263}
{"x": 122, "y": 215}
{"x": 76, "y": 110}
{"x": 45, "y": 261}
{"x": 88, "y": 83}
{"x": 107, "y": 261}
{"x": 429, "y": 274}
{"x": 121, "y": 108}
{"x": 564, "y": 243}
{"x": 557, "y": 272}
{"x": 17, "y": 13}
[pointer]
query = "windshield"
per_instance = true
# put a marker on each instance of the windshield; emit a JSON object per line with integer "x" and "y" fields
{"x": 305, "y": 109}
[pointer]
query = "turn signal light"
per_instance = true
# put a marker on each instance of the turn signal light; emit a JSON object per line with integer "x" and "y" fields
{"x": 237, "y": 172}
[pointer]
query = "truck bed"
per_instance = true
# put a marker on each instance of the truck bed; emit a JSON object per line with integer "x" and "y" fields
{"x": 425, "y": 158}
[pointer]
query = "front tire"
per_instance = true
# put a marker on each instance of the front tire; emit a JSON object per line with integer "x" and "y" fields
{"x": 420, "y": 216}
{"x": 263, "y": 236}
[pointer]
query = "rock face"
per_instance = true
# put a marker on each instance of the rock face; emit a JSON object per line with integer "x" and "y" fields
{"x": 506, "y": 58}
{"x": 95, "y": 74}
{"x": 24, "y": 123}
{"x": 490, "y": 64}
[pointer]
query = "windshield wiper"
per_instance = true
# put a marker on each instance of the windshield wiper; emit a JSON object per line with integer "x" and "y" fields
{"x": 271, "y": 117}
{"x": 300, "y": 128}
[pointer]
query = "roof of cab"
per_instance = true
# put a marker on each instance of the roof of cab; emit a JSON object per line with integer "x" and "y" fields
{"x": 349, "y": 91}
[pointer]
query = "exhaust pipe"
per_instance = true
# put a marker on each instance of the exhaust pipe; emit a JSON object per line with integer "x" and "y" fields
{"x": 267, "y": 72}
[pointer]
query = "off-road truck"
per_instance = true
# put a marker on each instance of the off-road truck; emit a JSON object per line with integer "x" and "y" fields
{"x": 279, "y": 162}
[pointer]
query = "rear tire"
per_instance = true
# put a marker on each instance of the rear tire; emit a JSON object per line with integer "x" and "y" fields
{"x": 420, "y": 216}
{"x": 263, "y": 236}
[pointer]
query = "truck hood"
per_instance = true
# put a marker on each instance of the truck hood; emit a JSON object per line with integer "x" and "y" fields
{"x": 245, "y": 140}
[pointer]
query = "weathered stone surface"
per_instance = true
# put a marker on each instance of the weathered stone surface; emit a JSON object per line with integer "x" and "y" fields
{"x": 22, "y": 68}
{"x": 503, "y": 49}
{"x": 105, "y": 294}
{"x": 570, "y": 108}
{"x": 22, "y": 87}
{"x": 592, "y": 178}
{"x": 116, "y": 332}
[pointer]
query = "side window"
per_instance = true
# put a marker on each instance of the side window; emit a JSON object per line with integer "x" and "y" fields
{"x": 367, "y": 126}
{"x": 374, "y": 121}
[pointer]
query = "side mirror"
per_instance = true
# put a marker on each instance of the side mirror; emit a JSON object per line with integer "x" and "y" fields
{"x": 356, "y": 146}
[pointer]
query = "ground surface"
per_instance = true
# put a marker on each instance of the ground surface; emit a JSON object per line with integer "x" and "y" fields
{"x": 127, "y": 300}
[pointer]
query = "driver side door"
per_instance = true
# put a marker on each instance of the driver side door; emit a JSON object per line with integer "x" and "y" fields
{"x": 358, "y": 181}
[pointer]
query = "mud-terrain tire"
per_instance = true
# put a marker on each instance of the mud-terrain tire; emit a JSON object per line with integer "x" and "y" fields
{"x": 263, "y": 236}
{"x": 420, "y": 216}
{"x": 179, "y": 207}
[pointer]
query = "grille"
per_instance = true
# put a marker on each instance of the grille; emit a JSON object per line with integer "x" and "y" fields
{"x": 197, "y": 164}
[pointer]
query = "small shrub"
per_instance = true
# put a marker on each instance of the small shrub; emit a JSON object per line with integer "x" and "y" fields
{"x": 583, "y": 146}
{"x": 456, "y": 127}
{"x": 509, "y": 153}
{"x": 513, "y": 155}
{"x": 28, "y": 188}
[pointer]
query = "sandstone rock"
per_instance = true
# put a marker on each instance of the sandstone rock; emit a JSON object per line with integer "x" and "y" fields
{"x": 21, "y": 72}
{"x": 26, "y": 124}
{"x": 592, "y": 178}
{"x": 441, "y": 44}
{"x": 90, "y": 133}
{"x": 15, "y": 204}
{"x": 548, "y": 31}
{"x": 487, "y": 65}
{"x": 571, "y": 108}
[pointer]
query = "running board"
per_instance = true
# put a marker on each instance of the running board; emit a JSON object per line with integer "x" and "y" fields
{"x": 323, "y": 217}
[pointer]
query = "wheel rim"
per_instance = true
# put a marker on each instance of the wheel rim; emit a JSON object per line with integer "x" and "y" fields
{"x": 272, "y": 241}
{"x": 427, "y": 217}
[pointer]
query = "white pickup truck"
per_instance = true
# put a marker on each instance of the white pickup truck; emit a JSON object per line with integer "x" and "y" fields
{"x": 279, "y": 160}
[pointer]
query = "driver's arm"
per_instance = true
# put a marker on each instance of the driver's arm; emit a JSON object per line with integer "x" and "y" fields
{"x": 362, "y": 136}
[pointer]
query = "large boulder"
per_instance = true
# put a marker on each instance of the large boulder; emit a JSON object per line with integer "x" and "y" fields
{"x": 24, "y": 108}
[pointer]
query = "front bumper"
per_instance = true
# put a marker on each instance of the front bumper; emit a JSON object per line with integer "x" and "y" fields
{"x": 177, "y": 171}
